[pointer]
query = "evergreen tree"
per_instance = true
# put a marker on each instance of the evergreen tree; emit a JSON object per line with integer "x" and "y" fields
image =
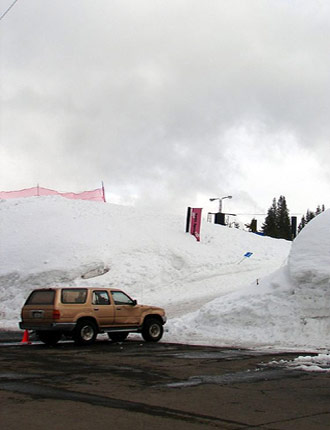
{"x": 310, "y": 215}
{"x": 252, "y": 226}
{"x": 283, "y": 220}
{"x": 277, "y": 222}
{"x": 269, "y": 227}
{"x": 302, "y": 224}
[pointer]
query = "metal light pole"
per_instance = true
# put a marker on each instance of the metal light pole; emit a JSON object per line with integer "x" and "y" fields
{"x": 220, "y": 201}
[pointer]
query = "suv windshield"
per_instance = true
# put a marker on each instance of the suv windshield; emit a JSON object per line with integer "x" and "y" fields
{"x": 121, "y": 298}
{"x": 41, "y": 297}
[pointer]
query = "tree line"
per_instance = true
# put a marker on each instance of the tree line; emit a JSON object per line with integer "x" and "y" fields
{"x": 310, "y": 215}
{"x": 277, "y": 223}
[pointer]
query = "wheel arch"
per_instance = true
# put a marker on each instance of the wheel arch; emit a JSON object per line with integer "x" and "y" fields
{"x": 153, "y": 317}
{"x": 89, "y": 319}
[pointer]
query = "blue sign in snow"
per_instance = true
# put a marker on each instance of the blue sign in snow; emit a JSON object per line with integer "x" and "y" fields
{"x": 248, "y": 254}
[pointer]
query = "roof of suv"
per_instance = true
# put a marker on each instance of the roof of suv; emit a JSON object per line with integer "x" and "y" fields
{"x": 71, "y": 288}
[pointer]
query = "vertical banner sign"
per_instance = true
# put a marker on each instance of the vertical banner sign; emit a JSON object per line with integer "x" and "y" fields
{"x": 195, "y": 222}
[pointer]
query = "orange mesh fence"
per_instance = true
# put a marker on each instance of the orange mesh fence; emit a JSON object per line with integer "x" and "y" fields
{"x": 95, "y": 195}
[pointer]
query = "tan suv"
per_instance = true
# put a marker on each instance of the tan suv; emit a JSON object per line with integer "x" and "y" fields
{"x": 82, "y": 313}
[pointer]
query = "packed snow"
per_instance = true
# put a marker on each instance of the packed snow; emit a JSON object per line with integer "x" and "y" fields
{"x": 288, "y": 308}
{"x": 307, "y": 363}
{"x": 277, "y": 298}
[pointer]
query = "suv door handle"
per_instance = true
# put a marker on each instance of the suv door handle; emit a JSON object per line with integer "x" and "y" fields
{"x": 96, "y": 309}
{"x": 118, "y": 309}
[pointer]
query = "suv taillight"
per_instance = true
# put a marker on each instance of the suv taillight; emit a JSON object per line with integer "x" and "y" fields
{"x": 56, "y": 314}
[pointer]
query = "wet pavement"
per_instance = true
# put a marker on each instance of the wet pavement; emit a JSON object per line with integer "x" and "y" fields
{"x": 138, "y": 385}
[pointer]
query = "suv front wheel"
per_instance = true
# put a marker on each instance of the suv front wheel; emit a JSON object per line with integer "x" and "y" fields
{"x": 152, "y": 330}
{"x": 85, "y": 333}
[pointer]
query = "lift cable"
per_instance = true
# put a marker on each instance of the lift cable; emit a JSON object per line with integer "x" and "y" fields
{"x": 258, "y": 214}
{"x": 5, "y": 13}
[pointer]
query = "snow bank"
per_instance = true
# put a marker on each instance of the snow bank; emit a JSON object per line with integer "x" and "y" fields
{"x": 289, "y": 308}
{"x": 211, "y": 293}
{"x": 46, "y": 241}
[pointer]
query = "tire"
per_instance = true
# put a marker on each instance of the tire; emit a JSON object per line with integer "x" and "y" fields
{"x": 152, "y": 330}
{"x": 49, "y": 338}
{"x": 85, "y": 333}
{"x": 118, "y": 337}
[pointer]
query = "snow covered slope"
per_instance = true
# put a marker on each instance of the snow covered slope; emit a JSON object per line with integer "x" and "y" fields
{"x": 212, "y": 294}
{"x": 289, "y": 308}
{"x": 47, "y": 241}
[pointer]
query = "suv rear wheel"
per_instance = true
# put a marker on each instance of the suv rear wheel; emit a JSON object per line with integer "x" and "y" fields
{"x": 152, "y": 330}
{"x": 85, "y": 333}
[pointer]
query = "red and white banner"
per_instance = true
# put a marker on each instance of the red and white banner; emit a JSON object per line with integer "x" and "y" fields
{"x": 195, "y": 222}
{"x": 97, "y": 195}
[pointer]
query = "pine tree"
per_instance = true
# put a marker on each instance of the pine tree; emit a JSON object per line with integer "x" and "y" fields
{"x": 283, "y": 220}
{"x": 269, "y": 227}
{"x": 318, "y": 210}
{"x": 302, "y": 223}
{"x": 310, "y": 215}
{"x": 277, "y": 222}
{"x": 252, "y": 226}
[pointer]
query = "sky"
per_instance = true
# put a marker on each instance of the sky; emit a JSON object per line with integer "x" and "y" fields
{"x": 170, "y": 102}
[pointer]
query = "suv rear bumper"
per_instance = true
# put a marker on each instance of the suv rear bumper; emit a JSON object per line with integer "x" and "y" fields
{"x": 48, "y": 327}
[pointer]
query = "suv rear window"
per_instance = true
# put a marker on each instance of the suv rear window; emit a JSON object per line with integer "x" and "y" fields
{"x": 74, "y": 295}
{"x": 42, "y": 297}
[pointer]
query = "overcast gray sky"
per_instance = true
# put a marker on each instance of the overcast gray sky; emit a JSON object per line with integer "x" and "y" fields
{"x": 168, "y": 102}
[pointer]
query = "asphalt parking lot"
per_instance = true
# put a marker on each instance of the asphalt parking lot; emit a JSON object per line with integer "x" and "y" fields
{"x": 138, "y": 385}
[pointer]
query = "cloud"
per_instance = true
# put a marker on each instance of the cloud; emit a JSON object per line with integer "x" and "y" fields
{"x": 145, "y": 94}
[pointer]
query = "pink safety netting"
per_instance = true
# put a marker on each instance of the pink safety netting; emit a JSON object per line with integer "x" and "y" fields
{"x": 95, "y": 195}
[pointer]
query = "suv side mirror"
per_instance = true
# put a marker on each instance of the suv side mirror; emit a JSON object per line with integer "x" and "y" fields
{"x": 134, "y": 303}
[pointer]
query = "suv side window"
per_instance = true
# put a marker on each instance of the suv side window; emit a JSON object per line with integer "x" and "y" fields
{"x": 74, "y": 295}
{"x": 121, "y": 298}
{"x": 101, "y": 298}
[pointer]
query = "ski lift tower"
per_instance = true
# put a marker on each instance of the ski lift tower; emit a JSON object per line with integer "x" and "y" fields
{"x": 219, "y": 217}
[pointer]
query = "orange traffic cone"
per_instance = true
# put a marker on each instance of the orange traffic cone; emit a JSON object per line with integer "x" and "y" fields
{"x": 25, "y": 339}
